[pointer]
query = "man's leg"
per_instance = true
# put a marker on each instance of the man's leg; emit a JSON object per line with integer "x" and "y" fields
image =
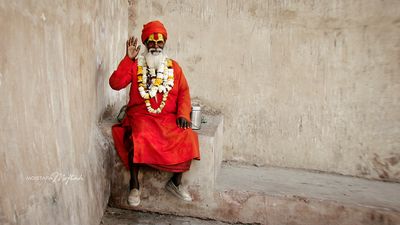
{"x": 134, "y": 170}
{"x": 177, "y": 178}
{"x": 134, "y": 195}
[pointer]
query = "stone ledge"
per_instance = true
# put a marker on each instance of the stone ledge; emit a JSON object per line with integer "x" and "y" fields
{"x": 269, "y": 195}
{"x": 302, "y": 184}
{"x": 261, "y": 195}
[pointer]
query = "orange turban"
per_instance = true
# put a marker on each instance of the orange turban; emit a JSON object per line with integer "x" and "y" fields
{"x": 153, "y": 27}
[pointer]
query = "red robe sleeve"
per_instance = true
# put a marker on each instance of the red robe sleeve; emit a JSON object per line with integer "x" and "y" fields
{"x": 183, "y": 103}
{"x": 123, "y": 75}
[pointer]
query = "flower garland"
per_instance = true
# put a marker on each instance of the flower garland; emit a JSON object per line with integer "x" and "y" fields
{"x": 162, "y": 81}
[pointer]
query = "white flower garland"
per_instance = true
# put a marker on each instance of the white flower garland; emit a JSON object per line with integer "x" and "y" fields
{"x": 161, "y": 82}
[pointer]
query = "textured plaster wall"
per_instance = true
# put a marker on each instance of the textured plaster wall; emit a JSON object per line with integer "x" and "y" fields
{"x": 55, "y": 61}
{"x": 302, "y": 84}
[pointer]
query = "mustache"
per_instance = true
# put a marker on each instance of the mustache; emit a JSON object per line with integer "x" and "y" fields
{"x": 155, "y": 51}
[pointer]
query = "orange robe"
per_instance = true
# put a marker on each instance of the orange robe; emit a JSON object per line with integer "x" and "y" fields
{"x": 157, "y": 140}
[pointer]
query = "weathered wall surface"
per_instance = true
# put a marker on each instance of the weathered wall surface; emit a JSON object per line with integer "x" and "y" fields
{"x": 55, "y": 61}
{"x": 302, "y": 84}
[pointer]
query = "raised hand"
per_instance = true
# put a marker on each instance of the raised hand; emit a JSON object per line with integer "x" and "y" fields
{"x": 132, "y": 48}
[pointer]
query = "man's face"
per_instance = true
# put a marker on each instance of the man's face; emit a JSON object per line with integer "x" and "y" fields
{"x": 155, "y": 43}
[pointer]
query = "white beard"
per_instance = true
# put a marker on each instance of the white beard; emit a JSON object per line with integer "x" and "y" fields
{"x": 154, "y": 57}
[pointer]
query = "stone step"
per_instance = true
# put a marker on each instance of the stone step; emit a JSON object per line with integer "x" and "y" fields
{"x": 269, "y": 195}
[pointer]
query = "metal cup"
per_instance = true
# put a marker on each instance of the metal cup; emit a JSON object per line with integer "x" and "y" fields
{"x": 195, "y": 116}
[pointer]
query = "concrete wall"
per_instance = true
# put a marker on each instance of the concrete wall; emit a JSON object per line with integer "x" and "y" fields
{"x": 55, "y": 61}
{"x": 303, "y": 84}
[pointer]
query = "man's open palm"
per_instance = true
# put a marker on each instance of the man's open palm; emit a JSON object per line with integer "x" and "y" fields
{"x": 132, "y": 49}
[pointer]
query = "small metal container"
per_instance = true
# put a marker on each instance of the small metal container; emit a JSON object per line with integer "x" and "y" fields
{"x": 195, "y": 116}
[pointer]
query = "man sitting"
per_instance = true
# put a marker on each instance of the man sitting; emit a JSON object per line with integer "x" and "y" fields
{"x": 157, "y": 128}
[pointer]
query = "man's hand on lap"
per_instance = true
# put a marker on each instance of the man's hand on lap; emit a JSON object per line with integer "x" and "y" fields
{"x": 183, "y": 123}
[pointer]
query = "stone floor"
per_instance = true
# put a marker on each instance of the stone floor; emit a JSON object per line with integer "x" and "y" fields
{"x": 114, "y": 216}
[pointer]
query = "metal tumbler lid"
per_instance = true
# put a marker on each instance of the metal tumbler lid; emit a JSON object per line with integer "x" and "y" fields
{"x": 196, "y": 108}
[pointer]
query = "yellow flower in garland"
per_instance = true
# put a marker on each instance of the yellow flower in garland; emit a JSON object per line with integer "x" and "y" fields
{"x": 140, "y": 78}
{"x": 158, "y": 81}
{"x": 146, "y": 96}
{"x": 139, "y": 70}
{"x": 169, "y": 63}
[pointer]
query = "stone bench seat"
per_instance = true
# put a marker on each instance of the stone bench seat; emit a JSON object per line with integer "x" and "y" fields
{"x": 200, "y": 180}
